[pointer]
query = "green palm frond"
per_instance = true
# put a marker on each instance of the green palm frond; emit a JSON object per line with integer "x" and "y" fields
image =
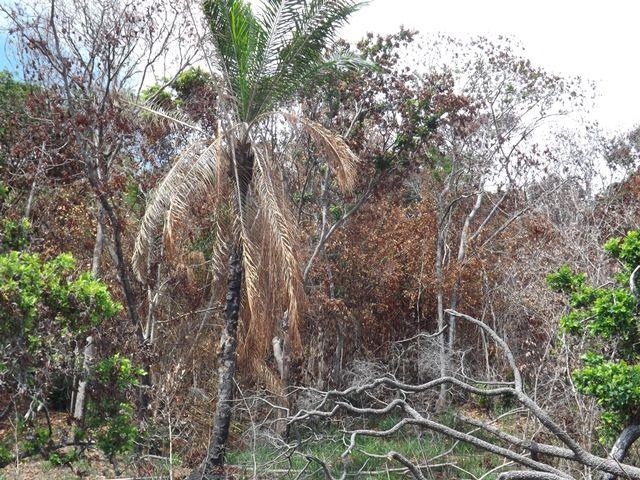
{"x": 317, "y": 23}
{"x": 269, "y": 57}
{"x": 345, "y": 61}
{"x": 236, "y": 34}
{"x": 277, "y": 19}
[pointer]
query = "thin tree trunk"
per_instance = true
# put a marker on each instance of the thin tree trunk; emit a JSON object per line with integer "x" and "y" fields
{"x": 121, "y": 264}
{"x": 213, "y": 466}
{"x": 154, "y": 297}
{"x": 98, "y": 246}
{"x": 442, "y": 340}
{"x": 78, "y": 394}
{"x": 336, "y": 374}
{"x": 462, "y": 252}
{"x": 74, "y": 379}
{"x": 281, "y": 349}
{"x": 214, "y": 463}
{"x": 282, "y": 356}
{"x": 32, "y": 190}
{"x": 129, "y": 294}
{"x": 78, "y": 409}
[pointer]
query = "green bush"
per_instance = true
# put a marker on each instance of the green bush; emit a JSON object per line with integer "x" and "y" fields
{"x": 47, "y": 308}
{"x": 610, "y": 316}
{"x": 109, "y": 414}
{"x": 190, "y": 80}
{"x": 14, "y": 234}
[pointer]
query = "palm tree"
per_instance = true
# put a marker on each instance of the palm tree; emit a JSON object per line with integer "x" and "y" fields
{"x": 264, "y": 59}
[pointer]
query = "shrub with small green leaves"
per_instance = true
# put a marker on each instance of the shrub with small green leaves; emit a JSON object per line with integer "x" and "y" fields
{"x": 119, "y": 372}
{"x": 6, "y": 454}
{"x": 39, "y": 297}
{"x": 190, "y": 80}
{"x": 14, "y": 234}
{"x": 110, "y": 416}
{"x": 46, "y": 308}
{"x": 37, "y": 441}
{"x": 626, "y": 249}
{"x": 611, "y": 317}
{"x": 158, "y": 96}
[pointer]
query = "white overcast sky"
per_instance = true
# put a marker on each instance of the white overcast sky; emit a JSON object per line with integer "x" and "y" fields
{"x": 598, "y": 40}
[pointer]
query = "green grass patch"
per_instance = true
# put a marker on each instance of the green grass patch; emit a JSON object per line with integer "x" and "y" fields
{"x": 369, "y": 458}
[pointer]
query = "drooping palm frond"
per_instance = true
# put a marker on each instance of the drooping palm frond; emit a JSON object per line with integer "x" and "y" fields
{"x": 222, "y": 238}
{"x": 257, "y": 324}
{"x": 252, "y": 363}
{"x": 159, "y": 113}
{"x": 266, "y": 376}
{"x": 191, "y": 175}
{"x": 265, "y": 305}
{"x": 340, "y": 157}
{"x": 222, "y": 167}
{"x": 280, "y": 229}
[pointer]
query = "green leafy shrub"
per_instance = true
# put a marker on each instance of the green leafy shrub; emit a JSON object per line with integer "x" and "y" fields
{"x": 190, "y": 80}
{"x": 158, "y": 96}
{"x": 116, "y": 429}
{"x": 39, "y": 297}
{"x": 14, "y": 234}
{"x": 611, "y": 317}
{"x": 37, "y": 441}
{"x": 47, "y": 308}
{"x": 58, "y": 459}
{"x": 109, "y": 414}
{"x": 6, "y": 454}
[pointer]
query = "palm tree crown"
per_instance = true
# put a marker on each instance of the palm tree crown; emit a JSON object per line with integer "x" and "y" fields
{"x": 268, "y": 58}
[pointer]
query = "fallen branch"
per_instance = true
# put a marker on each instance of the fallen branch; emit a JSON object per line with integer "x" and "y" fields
{"x": 334, "y": 402}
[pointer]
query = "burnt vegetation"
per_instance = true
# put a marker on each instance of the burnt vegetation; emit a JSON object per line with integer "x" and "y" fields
{"x": 233, "y": 245}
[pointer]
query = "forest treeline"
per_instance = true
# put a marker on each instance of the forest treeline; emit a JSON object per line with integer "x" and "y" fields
{"x": 232, "y": 244}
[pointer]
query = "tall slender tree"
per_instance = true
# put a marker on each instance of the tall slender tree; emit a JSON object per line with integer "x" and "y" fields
{"x": 264, "y": 58}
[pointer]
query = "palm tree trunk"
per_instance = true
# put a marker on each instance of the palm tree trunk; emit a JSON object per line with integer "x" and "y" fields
{"x": 213, "y": 466}
{"x": 214, "y": 463}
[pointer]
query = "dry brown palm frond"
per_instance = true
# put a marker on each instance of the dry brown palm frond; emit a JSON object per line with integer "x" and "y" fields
{"x": 194, "y": 264}
{"x": 202, "y": 175}
{"x": 284, "y": 266}
{"x": 248, "y": 361}
{"x": 266, "y": 376}
{"x": 251, "y": 261}
{"x": 258, "y": 325}
{"x": 223, "y": 166}
{"x": 220, "y": 248}
{"x": 191, "y": 175}
{"x": 341, "y": 159}
{"x": 158, "y": 112}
